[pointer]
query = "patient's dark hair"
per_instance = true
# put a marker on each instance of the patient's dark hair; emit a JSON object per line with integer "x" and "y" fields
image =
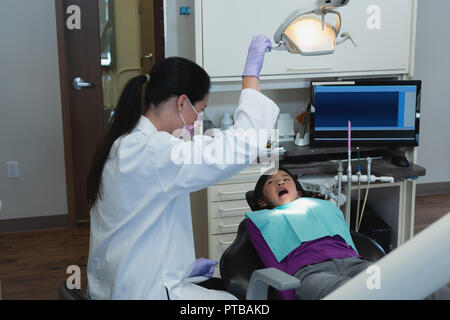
{"x": 169, "y": 78}
{"x": 258, "y": 192}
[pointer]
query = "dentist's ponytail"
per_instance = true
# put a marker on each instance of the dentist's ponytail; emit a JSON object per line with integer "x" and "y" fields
{"x": 168, "y": 78}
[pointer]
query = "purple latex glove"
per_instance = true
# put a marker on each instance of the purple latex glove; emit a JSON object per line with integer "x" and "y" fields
{"x": 258, "y": 47}
{"x": 203, "y": 267}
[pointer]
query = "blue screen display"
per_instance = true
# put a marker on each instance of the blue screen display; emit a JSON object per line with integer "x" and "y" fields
{"x": 367, "y": 107}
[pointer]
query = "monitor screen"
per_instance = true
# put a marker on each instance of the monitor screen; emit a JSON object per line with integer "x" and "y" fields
{"x": 380, "y": 112}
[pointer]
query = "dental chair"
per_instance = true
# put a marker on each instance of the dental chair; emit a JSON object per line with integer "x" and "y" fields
{"x": 243, "y": 273}
{"x": 246, "y": 277}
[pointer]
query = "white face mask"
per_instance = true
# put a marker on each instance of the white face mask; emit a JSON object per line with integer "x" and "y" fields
{"x": 197, "y": 127}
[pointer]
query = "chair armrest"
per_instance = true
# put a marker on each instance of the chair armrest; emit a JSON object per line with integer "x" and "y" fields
{"x": 263, "y": 278}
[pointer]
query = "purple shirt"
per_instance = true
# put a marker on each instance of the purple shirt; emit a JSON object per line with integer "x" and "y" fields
{"x": 309, "y": 252}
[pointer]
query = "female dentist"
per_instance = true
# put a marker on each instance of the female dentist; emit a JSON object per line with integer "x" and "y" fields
{"x": 141, "y": 240}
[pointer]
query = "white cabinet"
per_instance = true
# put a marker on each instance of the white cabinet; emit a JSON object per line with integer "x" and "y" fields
{"x": 227, "y": 29}
{"x": 227, "y": 207}
{"x": 384, "y": 30}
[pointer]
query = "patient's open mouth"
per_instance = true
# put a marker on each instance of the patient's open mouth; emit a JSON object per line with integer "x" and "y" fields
{"x": 282, "y": 192}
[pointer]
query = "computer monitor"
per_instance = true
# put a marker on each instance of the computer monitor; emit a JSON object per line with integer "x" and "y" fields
{"x": 382, "y": 113}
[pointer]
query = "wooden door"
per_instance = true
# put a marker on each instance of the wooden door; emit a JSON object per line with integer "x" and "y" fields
{"x": 83, "y": 110}
{"x": 146, "y": 14}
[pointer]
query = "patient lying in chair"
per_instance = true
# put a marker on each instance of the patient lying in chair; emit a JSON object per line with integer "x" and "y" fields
{"x": 304, "y": 237}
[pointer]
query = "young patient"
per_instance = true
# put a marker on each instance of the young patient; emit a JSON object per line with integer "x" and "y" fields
{"x": 321, "y": 264}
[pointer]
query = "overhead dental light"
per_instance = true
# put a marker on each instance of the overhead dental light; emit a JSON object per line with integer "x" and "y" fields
{"x": 307, "y": 33}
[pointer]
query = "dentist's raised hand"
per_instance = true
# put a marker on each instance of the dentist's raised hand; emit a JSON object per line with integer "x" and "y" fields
{"x": 258, "y": 47}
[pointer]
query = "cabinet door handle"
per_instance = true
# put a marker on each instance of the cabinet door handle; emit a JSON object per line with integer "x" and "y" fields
{"x": 230, "y": 193}
{"x": 228, "y": 226}
{"x": 224, "y": 194}
{"x": 308, "y": 70}
{"x": 233, "y": 209}
{"x": 225, "y": 243}
{"x": 250, "y": 172}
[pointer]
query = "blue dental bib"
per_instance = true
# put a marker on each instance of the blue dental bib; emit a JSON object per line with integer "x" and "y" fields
{"x": 286, "y": 227}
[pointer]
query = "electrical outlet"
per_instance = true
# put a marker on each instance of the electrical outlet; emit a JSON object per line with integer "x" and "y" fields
{"x": 13, "y": 169}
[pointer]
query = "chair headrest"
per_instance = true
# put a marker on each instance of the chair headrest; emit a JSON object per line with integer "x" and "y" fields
{"x": 250, "y": 200}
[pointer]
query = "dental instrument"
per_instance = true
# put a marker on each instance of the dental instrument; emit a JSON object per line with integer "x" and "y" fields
{"x": 323, "y": 184}
{"x": 365, "y": 178}
{"x": 358, "y": 173}
{"x": 340, "y": 173}
{"x": 349, "y": 174}
{"x": 369, "y": 163}
{"x": 360, "y": 178}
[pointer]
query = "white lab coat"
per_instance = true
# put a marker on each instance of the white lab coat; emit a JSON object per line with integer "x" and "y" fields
{"x": 141, "y": 241}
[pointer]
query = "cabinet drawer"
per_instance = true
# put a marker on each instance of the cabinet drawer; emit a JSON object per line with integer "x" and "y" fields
{"x": 224, "y": 225}
{"x": 219, "y": 243}
{"x": 235, "y": 191}
{"x": 228, "y": 209}
{"x": 249, "y": 174}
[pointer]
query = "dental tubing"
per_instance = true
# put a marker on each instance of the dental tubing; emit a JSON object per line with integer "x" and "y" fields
{"x": 358, "y": 172}
{"x": 369, "y": 164}
{"x": 349, "y": 173}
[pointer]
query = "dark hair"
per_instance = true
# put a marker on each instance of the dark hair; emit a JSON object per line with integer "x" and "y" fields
{"x": 258, "y": 192}
{"x": 170, "y": 77}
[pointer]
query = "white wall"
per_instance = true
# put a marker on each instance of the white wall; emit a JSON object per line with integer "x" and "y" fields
{"x": 433, "y": 68}
{"x": 175, "y": 25}
{"x": 30, "y": 111}
{"x": 292, "y": 101}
